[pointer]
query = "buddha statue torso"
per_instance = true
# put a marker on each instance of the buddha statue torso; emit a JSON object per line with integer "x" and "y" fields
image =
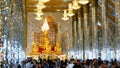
{"x": 35, "y": 49}
{"x": 47, "y": 46}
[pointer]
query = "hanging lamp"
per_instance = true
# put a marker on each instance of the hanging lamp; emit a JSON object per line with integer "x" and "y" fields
{"x": 83, "y": 1}
{"x": 75, "y": 5}
{"x": 65, "y": 17}
{"x": 40, "y": 5}
{"x": 39, "y": 12}
{"x": 70, "y": 10}
{"x": 38, "y": 17}
{"x": 44, "y": 1}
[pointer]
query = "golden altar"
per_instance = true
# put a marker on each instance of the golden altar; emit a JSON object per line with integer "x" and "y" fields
{"x": 45, "y": 48}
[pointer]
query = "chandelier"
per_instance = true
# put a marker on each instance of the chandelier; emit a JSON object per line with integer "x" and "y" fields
{"x": 65, "y": 17}
{"x": 75, "y": 5}
{"x": 70, "y": 10}
{"x": 44, "y": 0}
{"x": 83, "y": 1}
{"x": 39, "y": 12}
{"x": 38, "y": 18}
{"x": 40, "y": 5}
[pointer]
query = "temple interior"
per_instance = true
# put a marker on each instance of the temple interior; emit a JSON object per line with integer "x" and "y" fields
{"x": 64, "y": 29}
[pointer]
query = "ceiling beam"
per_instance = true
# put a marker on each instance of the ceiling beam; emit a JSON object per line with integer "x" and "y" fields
{"x": 32, "y": 9}
{"x": 47, "y": 3}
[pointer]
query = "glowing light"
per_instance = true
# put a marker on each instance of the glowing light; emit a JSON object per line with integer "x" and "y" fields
{"x": 70, "y": 10}
{"x": 75, "y": 5}
{"x": 44, "y": 0}
{"x": 38, "y": 18}
{"x": 99, "y": 24}
{"x": 65, "y": 17}
{"x": 83, "y": 1}
{"x": 45, "y": 26}
{"x": 40, "y": 5}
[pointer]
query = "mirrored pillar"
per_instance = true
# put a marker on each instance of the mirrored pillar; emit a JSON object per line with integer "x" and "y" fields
{"x": 105, "y": 48}
{"x": 94, "y": 29}
{"x": 86, "y": 32}
{"x": 117, "y": 20}
{"x": 80, "y": 33}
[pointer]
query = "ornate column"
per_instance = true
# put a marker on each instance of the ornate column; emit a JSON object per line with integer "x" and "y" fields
{"x": 75, "y": 30}
{"x": 73, "y": 34}
{"x": 1, "y": 22}
{"x": 13, "y": 29}
{"x": 94, "y": 29}
{"x": 117, "y": 20}
{"x": 2, "y": 8}
{"x": 104, "y": 29}
{"x": 80, "y": 32}
{"x": 86, "y": 32}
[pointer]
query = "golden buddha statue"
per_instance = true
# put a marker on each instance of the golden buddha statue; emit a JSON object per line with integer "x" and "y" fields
{"x": 58, "y": 49}
{"x": 35, "y": 49}
{"x": 47, "y": 46}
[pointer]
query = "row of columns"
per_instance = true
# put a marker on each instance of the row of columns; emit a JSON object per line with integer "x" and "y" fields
{"x": 84, "y": 40}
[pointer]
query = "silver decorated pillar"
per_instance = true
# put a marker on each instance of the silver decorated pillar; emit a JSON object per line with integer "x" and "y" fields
{"x": 117, "y": 20}
{"x": 86, "y": 33}
{"x": 104, "y": 29}
{"x": 94, "y": 29}
{"x": 13, "y": 29}
{"x": 80, "y": 33}
{"x": 1, "y": 22}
